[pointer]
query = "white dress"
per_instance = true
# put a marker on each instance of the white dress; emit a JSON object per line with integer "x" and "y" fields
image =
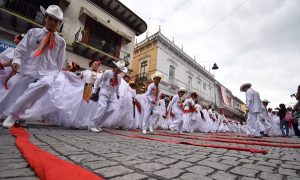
{"x": 275, "y": 126}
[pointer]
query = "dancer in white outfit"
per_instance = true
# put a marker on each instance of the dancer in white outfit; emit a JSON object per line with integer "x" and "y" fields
{"x": 109, "y": 84}
{"x": 254, "y": 108}
{"x": 151, "y": 103}
{"x": 6, "y": 72}
{"x": 40, "y": 56}
{"x": 264, "y": 118}
{"x": 188, "y": 110}
{"x": 174, "y": 109}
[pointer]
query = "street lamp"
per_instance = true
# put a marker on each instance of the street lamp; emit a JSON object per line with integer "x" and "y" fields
{"x": 215, "y": 66}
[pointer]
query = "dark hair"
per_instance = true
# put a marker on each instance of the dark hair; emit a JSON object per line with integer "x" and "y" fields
{"x": 282, "y": 106}
{"x": 20, "y": 36}
{"x": 74, "y": 67}
{"x": 94, "y": 60}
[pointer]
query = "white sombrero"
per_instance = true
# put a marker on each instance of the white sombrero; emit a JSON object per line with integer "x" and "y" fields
{"x": 156, "y": 74}
{"x": 245, "y": 85}
{"x": 54, "y": 11}
{"x": 266, "y": 101}
{"x": 182, "y": 89}
{"x": 121, "y": 65}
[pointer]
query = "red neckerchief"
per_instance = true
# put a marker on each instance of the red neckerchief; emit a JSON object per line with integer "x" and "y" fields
{"x": 114, "y": 80}
{"x": 48, "y": 40}
{"x": 156, "y": 92}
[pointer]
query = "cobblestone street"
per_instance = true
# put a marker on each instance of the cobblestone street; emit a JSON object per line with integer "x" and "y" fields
{"x": 122, "y": 157}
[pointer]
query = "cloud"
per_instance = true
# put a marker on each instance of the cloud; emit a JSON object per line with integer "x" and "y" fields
{"x": 251, "y": 41}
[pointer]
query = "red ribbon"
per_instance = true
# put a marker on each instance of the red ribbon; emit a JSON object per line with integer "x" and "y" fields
{"x": 46, "y": 165}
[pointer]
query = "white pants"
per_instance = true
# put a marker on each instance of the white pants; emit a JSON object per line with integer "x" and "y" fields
{"x": 34, "y": 92}
{"x": 104, "y": 110}
{"x": 177, "y": 122}
{"x": 252, "y": 124}
{"x": 149, "y": 119}
{"x": 187, "y": 118}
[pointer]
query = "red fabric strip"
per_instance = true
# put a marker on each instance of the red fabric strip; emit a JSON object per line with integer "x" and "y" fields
{"x": 229, "y": 141}
{"x": 232, "y": 137}
{"x": 46, "y": 165}
{"x": 252, "y": 150}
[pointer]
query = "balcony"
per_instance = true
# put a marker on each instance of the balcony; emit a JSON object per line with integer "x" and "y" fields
{"x": 92, "y": 49}
{"x": 142, "y": 77}
{"x": 19, "y": 16}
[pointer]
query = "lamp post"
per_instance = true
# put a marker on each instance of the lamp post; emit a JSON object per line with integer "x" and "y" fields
{"x": 214, "y": 67}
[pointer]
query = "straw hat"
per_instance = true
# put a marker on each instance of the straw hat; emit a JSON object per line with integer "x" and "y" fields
{"x": 182, "y": 89}
{"x": 54, "y": 11}
{"x": 156, "y": 74}
{"x": 121, "y": 65}
{"x": 245, "y": 85}
{"x": 266, "y": 101}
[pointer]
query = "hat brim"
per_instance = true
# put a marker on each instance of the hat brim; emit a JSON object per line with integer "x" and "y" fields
{"x": 123, "y": 69}
{"x": 182, "y": 91}
{"x": 244, "y": 85}
{"x": 43, "y": 10}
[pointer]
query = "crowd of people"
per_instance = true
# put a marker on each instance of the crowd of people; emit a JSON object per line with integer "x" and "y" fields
{"x": 35, "y": 85}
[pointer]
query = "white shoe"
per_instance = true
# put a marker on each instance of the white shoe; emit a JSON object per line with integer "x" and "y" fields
{"x": 99, "y": 128}
{"x": 151, "y": 128}
{"x": 93, "y": 129}
{"x": 9, "y": 122}
{"x": 144, "y": 131}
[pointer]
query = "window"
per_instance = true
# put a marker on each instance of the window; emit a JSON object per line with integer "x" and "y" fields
{"x": 190, "y": 83}
{"x": 143, "y": 69}
{"x": 199, "y": 86}
{"x": 102, "y": 38}
{"x": 172, "y": 73}
{"x": 204, "y": 86}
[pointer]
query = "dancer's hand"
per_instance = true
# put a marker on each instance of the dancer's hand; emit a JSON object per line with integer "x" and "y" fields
{"x": 15, "y": 67}
{"x": 118, "y": 97}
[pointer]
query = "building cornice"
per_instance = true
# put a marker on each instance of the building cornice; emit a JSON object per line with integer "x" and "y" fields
{"x": 162, "y": 38}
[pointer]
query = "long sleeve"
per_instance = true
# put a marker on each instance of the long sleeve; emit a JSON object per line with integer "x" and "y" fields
{"x": 173, "y": 101}
{"x": 119, "y": 83}
{"x": 149, "y": 91}
{"x": 99, "y": 81}
{"x": 249, "y": 98}
{"x": 21, "y": 49}
{"x": 61, "y": 56}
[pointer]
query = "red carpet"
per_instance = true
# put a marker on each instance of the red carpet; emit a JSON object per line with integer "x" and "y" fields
{"x": 46, "y": 165}
{"x": 252, "y": 150}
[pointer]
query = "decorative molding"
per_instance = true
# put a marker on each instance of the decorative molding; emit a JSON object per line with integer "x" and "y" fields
{"x": 173, "y": 63}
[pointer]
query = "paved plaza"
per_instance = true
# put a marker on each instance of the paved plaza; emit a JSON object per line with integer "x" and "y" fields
{"x": 122, "y": 157}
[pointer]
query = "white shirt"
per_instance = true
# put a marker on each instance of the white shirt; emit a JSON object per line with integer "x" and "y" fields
{"x": 7, "y": 55}
{"x": 188, "y": 103}
{"x": 174, "y": 105}
{"x": 48, "y": 63}
{"x": 90, "y": 76}
{"x": 150, "y": 94}
{"x": 253, "y": 101}
{"x": 104, "y": 82}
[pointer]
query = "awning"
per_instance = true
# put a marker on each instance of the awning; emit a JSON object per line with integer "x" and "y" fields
{"x": 84, "y": 11}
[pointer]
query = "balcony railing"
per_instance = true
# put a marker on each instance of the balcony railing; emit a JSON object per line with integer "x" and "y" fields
{"x": 84, "y": 36}
{"x": 23, "y": 8}
{"x": 142, "y": 77}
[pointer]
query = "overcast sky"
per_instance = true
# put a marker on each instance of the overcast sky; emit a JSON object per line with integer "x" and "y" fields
{"x": 256, "y": 41}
